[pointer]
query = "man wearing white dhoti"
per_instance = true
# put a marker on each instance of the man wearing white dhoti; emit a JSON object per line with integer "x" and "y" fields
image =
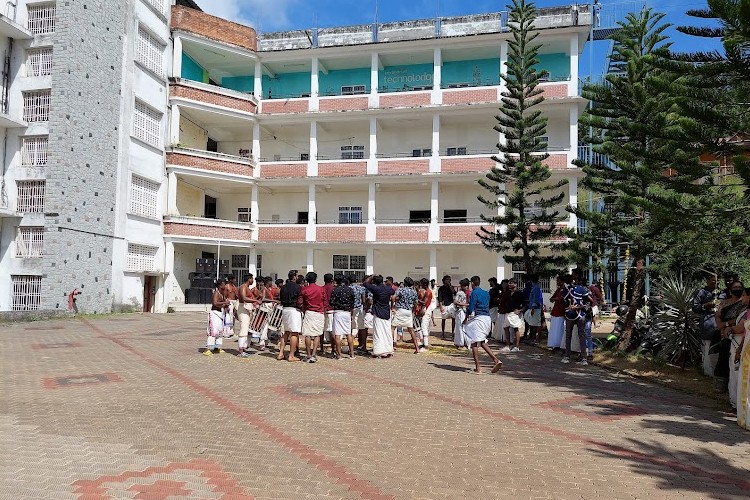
{"x": 342, "y": 302}
{"x": 462, "y": 300}
{"x": 382, "y": 338}
{"x": 291, "y": 316}
{"x": 404, "y": 301}
{"x": 478, "y": 324}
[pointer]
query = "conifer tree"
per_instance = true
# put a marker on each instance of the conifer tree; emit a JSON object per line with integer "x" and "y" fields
{"x": 526, "y": 226}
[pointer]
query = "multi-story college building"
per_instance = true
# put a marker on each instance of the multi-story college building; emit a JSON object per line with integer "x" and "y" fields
{"x": 140, "y": 136}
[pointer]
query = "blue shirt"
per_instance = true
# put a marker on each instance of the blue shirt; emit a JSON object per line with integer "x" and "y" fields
{"x": 479, "y": 302}
{"x": 381, "y": 300}
{"x": 536, "y": 300}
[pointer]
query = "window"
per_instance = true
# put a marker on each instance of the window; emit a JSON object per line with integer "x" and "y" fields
{"x": 543, "y": 141}
{"x": 36, "y": 106}
{"x": 27, "y": 293}
{"x": 350, "y": 265}
{"x": 30, "y": 196}
{"x": 454, "y": 216}
{"x": 239, "y": 266}
{"x": 144, "y": 197}
{"x": 147, "y": 124}
{"x": 259, "y": 265}
{"x": 458, "y": 85}
{"x": 157, "y": 4}
{"x": 304, "y": 156}
{"x": 30, "y": 242}
{"x": 422, "y": 87}
{"x": 519, "y": 274}
{"x": 352, "y": 152}
{"x": 34, "y": 151}
{"x": 353, "y": 89}
{"x": 41, "y": 18}
{"x": 141, "y": 257}
{"x": 150, "y": 51}
{"x": 420, "y": 216}
{"x": 39, "y": 62}
{"x": 455, "y": 151}
{"x": 421, "y": 152}
{"x": 303, "y": 217}
{"x": 350, "y": 215}
{"x": 243, "y": 214}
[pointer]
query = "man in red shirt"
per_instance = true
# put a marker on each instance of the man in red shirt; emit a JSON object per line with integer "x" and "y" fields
{"x": 313, "y": 301}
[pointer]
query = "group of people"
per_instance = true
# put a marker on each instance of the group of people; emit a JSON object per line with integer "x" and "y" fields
{"x": 725, "y": 324}
{"x": 344, "y": 307}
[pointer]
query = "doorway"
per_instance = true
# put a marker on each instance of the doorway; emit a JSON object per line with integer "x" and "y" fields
{"x": 149, "y": 293}
{"x": 210, "y": 208}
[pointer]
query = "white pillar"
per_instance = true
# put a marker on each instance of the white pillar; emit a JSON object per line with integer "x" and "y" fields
{"x": 500, "y": 273}
{"x": 252, "y": 264}
{"x": 573, "y": 124}
{"x": 312, "y": 165}
{"x": 258, "y": 85}
{"x": 503, "y": 66}
{"x": 437, "y": 77}
{"x": 172, "y": 194}
{"x": 311, "y": 212}
{"x": 314, "y": 86}
{"x": 310, "y": 260}
{"x": 370, "y": 261}
{"x": 434, "y": 231}
{"x": 372, "y": 160}
{"x": 435, "y": 158}
{"x": 371, "y": 229}
{"x": 170, "y": 280}
{"x": 177, "y": 57}
{"x": 573, "y": 201}
{"x": 374, "y": 100}
{"x": 573, "y": 84}
{"x": 254, "y": 215}
{"x": 256, "y": 145}
{"x": 433, "y": 264}
{"x": 174, "y": 125}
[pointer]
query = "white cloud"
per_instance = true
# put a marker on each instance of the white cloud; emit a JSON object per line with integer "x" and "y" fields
{"x": 264, "y": 15}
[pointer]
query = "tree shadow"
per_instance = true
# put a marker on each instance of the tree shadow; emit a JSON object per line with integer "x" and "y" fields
{"x": 450, "y": 368}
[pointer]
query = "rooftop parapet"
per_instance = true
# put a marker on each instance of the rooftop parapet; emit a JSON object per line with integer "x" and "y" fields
{"x": 419, "y": 29}
{"x": 213, "y": 28}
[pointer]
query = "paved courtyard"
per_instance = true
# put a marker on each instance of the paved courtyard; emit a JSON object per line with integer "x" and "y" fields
{"x": 126, "y": 407}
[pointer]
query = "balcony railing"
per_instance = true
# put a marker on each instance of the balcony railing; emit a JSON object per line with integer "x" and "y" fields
{"x": 201, "y": 228}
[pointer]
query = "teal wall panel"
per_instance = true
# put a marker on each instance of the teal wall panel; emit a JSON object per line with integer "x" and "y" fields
{"x": 331, "y": 83}
{"x": 239, "y": 83}
{"x": 191, "y": 70}
{"x": 394, "y": 78}
{"x": 557, "y": 64}
{"x": 474, "y": 72}
{"x": 286, "y": 85}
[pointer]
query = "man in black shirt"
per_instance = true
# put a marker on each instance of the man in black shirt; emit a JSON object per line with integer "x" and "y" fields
{"x": 291, "y": 316}
{"x": 494, "y": 292}
{"x": 342, "y": 301}
{"x": 445, "y": 297}
{"x": 515, "y": 317}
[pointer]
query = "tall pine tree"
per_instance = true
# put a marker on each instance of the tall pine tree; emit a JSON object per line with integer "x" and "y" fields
{"x": 650, "y": 174}
{"x": 525, "y": 199}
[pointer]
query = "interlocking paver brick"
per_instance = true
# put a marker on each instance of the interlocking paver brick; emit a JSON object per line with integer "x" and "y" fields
{"x": 150, "y": 416}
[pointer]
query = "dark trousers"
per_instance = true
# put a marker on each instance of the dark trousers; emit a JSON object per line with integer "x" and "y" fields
{"x": 569, "y": 324}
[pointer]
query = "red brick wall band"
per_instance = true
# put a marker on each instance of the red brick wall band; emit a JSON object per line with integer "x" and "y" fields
{"x": 469, "y": 96}
{"x": 557, "y": 162}
{"x": 460, "y": 233}
{"x": 343, "y": 103}
{"x": 277, "y": 170}
{"x": 200, "y": 95}
{"x": 340, "y": 233}
{"x": 403, "y": 167}
{"x": 405, "y": 100}
{"x": 201, "y": 231}
{"x": 402, "y": 233}
{"x": 213, "y": 28}
{"x": 342, "y": 169}
{"x": 213, "y": 164}
{"x": 555, "y": 91}
{"x": 462, "y": 164}
{"x": 281, "y": 233}
{"x": 285, "y": 106}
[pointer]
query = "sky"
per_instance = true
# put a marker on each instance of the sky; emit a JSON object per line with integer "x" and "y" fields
{"x": 280, "y": 15}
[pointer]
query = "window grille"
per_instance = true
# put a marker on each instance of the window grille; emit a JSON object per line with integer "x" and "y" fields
{"x": 239, "y": 262}
{"x": 350, "y": 265}
{"x": 352, "y": 89}
{"x": 352, "y": 152}
{"x": 350, "y": 215}
{"x": 141, "y": 257}
{"x": 455, "y": 151}
{"x": 150, "y": 51}
{"x": 36, "y": 106}
{"x": 30, "y": 242}
{"x": 147, "y": 124}
{"x": 519, "y": 274}
{"x": 421, "y": 152}
{"x": 41, "y": 18}
{"x": 243, "y": 214}
{"x": 39, "y": 62}
{"x": 30, "y": 197}
{"x": 157, "y": 4}
{"x": 34, "y": 151}
{"x": 144, "y": 197}
{"x": 27, "y": 293}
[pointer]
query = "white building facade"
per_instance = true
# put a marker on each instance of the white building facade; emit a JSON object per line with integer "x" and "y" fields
{"x": 353, "y": 149}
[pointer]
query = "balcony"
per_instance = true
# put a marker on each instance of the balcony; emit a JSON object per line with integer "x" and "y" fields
{"x": 342, "y": 168}
{"x": 285, "y": 105}
{"x": 208, "y": 161}
{"x": 471, "y": 162}
{"x": 401, "y": 164}
{"x": 340, "y": 233}
{"x": 289, "y": 168}
{"x": 280, "y": 232}
{"x": 401, "y": 233}
{"x": 187, "y": 229}
{"x": 461, "y": 232}
{"x": 408, "y": 99}
{"x": 344, "y": 103}
{"x": 210, "y": 97}
{"x": 213, "y": 28}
